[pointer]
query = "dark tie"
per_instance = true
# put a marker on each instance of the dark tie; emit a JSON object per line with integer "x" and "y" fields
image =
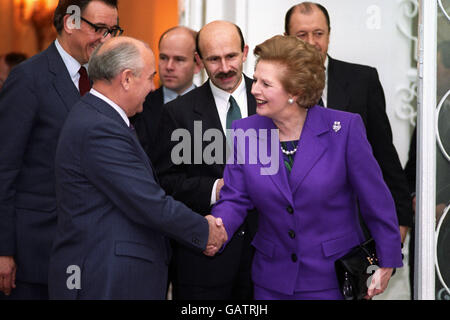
{"x": 320, "y": 103}
{"x": 84, "y": 84}
{"x": 234, "y": 113}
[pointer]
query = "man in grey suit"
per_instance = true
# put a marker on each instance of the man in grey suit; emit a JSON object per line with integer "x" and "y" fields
{"x": 34, "y": 103}
{"x": 113, "y": 217}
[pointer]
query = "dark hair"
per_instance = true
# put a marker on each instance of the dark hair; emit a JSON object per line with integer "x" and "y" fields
{"x": 305, "y": 8}
{"x": 63, "y": 5}
{"x": 197, "y": 41}
{"x": 14, "y": 58}
{"x": 301, "y": 67}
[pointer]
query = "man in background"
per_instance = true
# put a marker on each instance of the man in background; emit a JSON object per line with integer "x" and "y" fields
{"x": 34, "y": 104}
{"x": 177, "y": 67}
{"x": 225, "y": 97}
{"x": 7, "y": 62}
{"x": 355, "y": 88}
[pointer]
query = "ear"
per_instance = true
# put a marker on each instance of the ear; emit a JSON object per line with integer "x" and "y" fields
{"x": 126, "y": 79}
{"x": 245, "y": 53}
{"x": 69, "y": 25}
{"x": 198, "y": 64}
{"x": 198, "y": 60}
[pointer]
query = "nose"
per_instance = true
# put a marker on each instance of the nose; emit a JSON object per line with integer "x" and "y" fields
{"x": 224, "y": 65}
{"x": 152, "y": 86}
{"x": 310, "y": 38}
{"x": 255, "y": 88}
{"x": 169, "y": 64}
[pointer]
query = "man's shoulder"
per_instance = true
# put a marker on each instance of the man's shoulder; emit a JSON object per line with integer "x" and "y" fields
{"x": 188, "y": 101}
{"x": 38, "y": 61}
{"x": 154, "y": 98}
{"x": 340, "y": 65}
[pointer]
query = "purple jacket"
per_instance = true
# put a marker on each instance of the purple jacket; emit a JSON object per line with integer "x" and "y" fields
{"x": 309, "y": 218}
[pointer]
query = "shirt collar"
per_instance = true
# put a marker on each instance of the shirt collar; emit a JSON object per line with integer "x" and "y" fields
{"x": 72, "y": 65}
{"x": 225, "y": 95}
{"x": 115, "y": 106}
{"x": 170, "y": 95}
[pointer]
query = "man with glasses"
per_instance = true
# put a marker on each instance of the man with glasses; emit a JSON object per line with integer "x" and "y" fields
{"x": 34, "y": 104}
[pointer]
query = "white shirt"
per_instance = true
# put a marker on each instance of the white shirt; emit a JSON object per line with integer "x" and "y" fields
{"x": 72, "y": 65}
{"x": 116, "y": 107}
{"x": 222, "y": 98}
{"x": 325, "y": 90}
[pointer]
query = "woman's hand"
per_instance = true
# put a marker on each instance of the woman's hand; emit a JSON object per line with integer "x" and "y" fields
{"x": 379, "y": 283}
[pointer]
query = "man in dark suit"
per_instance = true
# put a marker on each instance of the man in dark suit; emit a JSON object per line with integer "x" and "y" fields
{"x": 177, "y": 67}
{"x": 34, "y": 103}
{"x": 355, "y": 88}
{"x": 197, "y": 183}
{"x": 113, "y": 217}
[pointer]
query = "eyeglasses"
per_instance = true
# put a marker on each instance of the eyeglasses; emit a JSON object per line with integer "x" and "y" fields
{"x": 103, "y": 30}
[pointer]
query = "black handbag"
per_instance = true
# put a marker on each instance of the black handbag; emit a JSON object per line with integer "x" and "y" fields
{"x": 354, "y": 269}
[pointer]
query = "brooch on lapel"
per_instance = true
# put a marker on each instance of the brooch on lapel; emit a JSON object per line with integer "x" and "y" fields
{"x": 337, "y": 126}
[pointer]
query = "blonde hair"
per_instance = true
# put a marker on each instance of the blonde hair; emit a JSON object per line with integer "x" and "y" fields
{"x": 304, "y": 72}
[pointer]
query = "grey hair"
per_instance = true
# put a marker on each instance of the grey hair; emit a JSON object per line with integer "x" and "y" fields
{"x": 108, "y": 64}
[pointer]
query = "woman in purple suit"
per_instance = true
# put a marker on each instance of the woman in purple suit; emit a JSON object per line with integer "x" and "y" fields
{"x": 308, "y": 208}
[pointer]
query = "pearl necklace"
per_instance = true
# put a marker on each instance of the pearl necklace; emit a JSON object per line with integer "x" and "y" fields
{"x": 288, "y": 153}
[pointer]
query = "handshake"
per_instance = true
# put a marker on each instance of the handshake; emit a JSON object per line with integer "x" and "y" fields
{"x": 217, "y": 235}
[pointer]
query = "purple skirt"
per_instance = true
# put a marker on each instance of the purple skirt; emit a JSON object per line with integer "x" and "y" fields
{"x": 261, "y": 293}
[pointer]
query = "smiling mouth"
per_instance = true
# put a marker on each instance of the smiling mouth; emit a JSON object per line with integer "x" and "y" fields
{"x": 260, "y": 102}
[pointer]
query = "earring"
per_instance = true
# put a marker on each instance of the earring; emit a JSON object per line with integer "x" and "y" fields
{"x": 291, "y": 101}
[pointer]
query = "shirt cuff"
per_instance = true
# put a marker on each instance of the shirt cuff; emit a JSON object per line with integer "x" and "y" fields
{"x": 213, "y": 194}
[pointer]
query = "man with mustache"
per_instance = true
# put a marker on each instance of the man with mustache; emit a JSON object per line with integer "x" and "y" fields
{"x": 34, "y": 103}
{"x": 223, "y": 98}
{"x": 177, "y": 67}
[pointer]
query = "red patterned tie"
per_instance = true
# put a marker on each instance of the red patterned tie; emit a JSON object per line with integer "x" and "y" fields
{"x": 84, "y": 83}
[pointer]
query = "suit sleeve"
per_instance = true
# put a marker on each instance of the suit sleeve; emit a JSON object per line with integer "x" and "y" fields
{"x": 376, "y": 203}
{"x": 235, "y": 201}
{"x": 379, "y": 134}
{"x": 112, "y": 164}
{"x": 18, "y": 109}
{"x": 192, "y": 190}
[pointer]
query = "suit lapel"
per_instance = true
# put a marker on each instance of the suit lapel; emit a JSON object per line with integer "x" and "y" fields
{"x": 311, "y": 147}
{"x": 206, "y": 108}
{"x": 62, "y": 82}
{"x": 155, "y": 102}
{"x": 280, "y": 179}
{"x": 251, "y": 102}
{"x": 337, "y": 96}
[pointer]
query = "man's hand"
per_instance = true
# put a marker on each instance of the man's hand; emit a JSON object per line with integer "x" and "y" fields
{"x": 379, "y": 283}
{"x": 7, "y": 275}
{"x": 403, "y": 232}
{"x": 217, "y": 235}
{"x": 219, "y": 186}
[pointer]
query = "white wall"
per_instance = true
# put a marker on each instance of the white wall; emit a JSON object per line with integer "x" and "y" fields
{"x": 362, "y": 31}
